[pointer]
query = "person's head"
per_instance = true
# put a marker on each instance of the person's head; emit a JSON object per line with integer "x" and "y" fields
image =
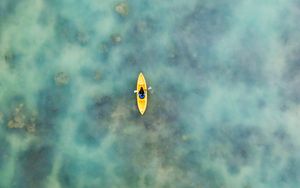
{"x": 142, "y": 90}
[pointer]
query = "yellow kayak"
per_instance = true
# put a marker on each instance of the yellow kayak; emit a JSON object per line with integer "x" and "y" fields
{"x": 141, "y": 94}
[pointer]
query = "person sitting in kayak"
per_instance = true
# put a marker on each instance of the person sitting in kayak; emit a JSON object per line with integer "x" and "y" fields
{"x": 141, "y": 93}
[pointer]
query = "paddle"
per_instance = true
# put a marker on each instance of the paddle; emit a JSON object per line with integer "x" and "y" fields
{"x": 149, "y": 89}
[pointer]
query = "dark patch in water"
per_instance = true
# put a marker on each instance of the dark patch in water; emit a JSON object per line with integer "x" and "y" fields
{"x": 16, "y": 100}
{"x": 211, "y": 179}
{"x": 149, "y": 180}
{"x": 67, "y": 31}
{"x": 143, "y": 28}
{"x": 35, "y": 166}
{"x": 291, "y": 76}
{"x": 94, "y": 173}
{"x": 242, "y": 142}
{"x": 12, "y": 59}
{"x": 293, "y": 66}
{"x": 4, "y": 151}
{"x": 167, "y": 111}
{"x": 233, "y": 167}
{"x": 291, "y": 173}
{"x": 261, "y": 103}
{"x": 128, "y": 174}
{"x": 7, "y": 8}
{"x": 91, "y": 134}
{"x": 101, "y": 108}
{"x": 192, "y": 160}
{"x": 67, "y": 175}
{"x": 102, "y": 52}
{"x": 281, "y": 134}
{"x": 196, "y": 34}
{"x": 53, "y": 102}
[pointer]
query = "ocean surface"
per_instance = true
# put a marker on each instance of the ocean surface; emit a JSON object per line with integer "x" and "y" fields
{"x": 224, "y": 111}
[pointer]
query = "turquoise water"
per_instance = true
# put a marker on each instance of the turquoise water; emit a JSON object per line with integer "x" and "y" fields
{"x": 225, "y": 107}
